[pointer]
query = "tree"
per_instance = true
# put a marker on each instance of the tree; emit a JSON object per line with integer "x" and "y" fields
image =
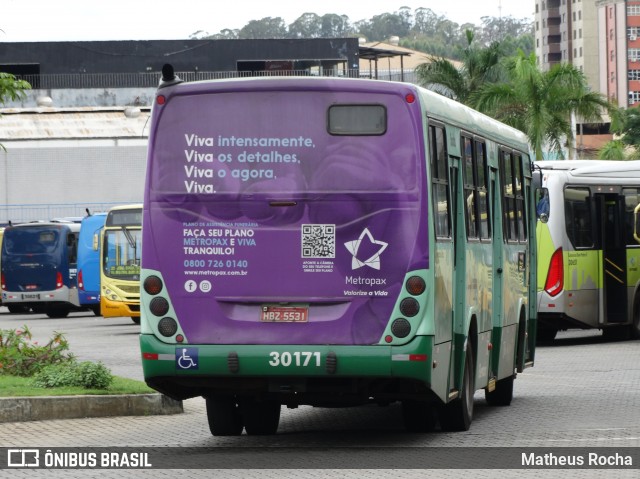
{"x": 612, "y": 150}
{"x": 11, "y": 89}
{"x": 626, "y": 124}
{"x": 226, "y": 34}
{"x": 383, "y": 26}
{"x": 308, "y": 25}
{"x": 268, "y": 27}
{"x": 496, "y": 29}
{"x": 426, "y": 21}
{"x": 335, "y": 26}
{"x": 630, "y": 127}
{"x": 541, "y": 104}
{"x": 461, "y": 83}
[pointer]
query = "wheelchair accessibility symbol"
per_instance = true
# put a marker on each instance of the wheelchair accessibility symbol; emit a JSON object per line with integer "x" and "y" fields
{"x": 187, "y": 358}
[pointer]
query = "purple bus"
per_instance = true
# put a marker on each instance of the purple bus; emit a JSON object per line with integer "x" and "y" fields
{"x": 306, "y": 241}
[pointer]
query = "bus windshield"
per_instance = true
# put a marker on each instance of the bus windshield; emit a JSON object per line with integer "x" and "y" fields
{"x": 121, "y": 253}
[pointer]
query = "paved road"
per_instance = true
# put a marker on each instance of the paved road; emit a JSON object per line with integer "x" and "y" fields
{"x": 583, "y": 392}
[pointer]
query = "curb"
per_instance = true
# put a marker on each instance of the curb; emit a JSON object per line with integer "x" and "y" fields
{"x": 42, "y": 408}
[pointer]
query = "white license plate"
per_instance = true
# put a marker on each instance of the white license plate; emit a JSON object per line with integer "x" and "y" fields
{"x": 30, "y": 296}
{"x": 284, "y": 314}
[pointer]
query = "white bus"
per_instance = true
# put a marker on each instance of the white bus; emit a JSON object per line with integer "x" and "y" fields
{"x": 588, "y": 258}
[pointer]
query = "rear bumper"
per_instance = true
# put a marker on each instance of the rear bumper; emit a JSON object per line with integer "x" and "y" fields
{"x": 304, "y": 374}
{"x": 55, "y": 296}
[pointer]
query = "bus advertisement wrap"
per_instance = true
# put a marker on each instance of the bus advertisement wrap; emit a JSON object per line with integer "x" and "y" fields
{"x": 304, "y": 243}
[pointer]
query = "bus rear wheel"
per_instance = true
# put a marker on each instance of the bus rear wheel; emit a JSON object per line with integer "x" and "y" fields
{"x": 224, "y": 417}
{"x": 17, "y": 308}
{"x": 458, "y": 414}
{"x": 546, "y": 335}
{"x": 260, "y": 417}
{"x": 418, "y": 416}
{"x": 58, "y": 312}
{"x": 634, "y": 328}
{"x": 502, "y": 395}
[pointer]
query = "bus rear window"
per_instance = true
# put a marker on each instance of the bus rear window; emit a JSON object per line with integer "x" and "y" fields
{"x": 29, "y": 241}
{"x": 357, "y": 120}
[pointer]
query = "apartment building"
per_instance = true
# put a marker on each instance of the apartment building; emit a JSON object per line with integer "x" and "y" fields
{"x": 575, "y": 31}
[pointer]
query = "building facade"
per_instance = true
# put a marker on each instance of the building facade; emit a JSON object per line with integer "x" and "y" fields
{"x": 566, "y": 31}
{"x": 619, "y": 59}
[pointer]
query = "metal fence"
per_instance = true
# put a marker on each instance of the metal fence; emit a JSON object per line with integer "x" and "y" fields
{"x": 151, "y": 79}
{"x": 44, "y": 212}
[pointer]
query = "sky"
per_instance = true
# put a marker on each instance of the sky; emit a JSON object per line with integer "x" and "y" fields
{"x": 85, "y": 20}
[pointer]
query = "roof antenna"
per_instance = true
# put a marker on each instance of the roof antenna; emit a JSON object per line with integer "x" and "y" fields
{"x": 88, "y": 212}
{"x": 169, "y": 76}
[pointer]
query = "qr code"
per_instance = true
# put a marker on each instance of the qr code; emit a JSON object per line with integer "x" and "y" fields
{"x": 318, "y": 241}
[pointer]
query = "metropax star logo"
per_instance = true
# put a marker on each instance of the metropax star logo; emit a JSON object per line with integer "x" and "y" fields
{"x": 366, "y": 247}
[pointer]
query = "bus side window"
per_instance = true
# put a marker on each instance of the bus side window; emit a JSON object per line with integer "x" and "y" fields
{"x": 636, "y": 223}
{"x": 578, "y": 207}
{"x": 440, "y": 181}
{"x": 72, "y": 247}
{"x": 631, "y": 202}
{"x": 468, "y": 169}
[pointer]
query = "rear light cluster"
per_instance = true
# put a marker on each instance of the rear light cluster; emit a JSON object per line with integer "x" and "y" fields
{"x": 409, "y": 307}
{"x": 555, "y": 277}
{"x": 59, "y": 281}
{"x": 159, "y": 306}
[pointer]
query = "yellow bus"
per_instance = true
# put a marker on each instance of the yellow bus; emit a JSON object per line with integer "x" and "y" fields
{"x": 120, "y": 262}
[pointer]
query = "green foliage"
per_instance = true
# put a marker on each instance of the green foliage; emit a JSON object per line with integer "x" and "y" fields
{"x": 541, "y": 104}
{"x": 630, "y": 126}
{"x": 21, "y": 356}
{"x": 612, "y": 150}
{"x": 420, "y": 29}
{"x": 11, "y": 88}
{"x": 462, "y": 82}
{"x": 86, "y": 374}
{"x": 14, "y": 386}
{"x": 51, "y": 365}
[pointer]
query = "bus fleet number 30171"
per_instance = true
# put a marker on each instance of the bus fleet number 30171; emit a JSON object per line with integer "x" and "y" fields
{"x": 297, "y": 358}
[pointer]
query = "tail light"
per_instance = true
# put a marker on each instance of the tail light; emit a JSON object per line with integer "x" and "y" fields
{"x": 4, "y": 283}
{"x": 80, "y": 281}
{"x": 59, "y": 282}
{"x": 416, "y": 285}
{"x": 152, "y": 285}
{"x": 555, "y": 278}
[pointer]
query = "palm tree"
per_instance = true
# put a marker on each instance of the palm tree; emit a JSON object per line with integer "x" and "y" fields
{"x": 541, "y": 104}
{"x": 461, "y": 83}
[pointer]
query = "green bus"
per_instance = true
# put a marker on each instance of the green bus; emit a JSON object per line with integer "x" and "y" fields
{"x": 334, "y": 242}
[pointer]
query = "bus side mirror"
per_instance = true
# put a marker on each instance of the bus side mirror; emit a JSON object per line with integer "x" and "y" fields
{"x": 636, "y": 223}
